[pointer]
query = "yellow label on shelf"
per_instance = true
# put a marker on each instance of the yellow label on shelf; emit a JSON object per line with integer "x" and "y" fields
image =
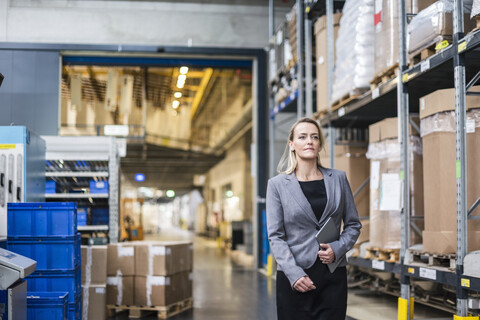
{"x": 405, "y": 77}
{"x": 462, "y": 46}
{"x": 441, "y": 45}
{"x": 455, "y": 317}
{"x": 465, "y": 283}
{"x": 411, "y": 270}
{"x": 307, "y": 9}
{"x": 7, "y": 146}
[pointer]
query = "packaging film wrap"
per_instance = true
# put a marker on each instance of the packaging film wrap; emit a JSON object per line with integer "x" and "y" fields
{"x": 88, "y": 279}
{"x": 434, "y": 22}
{"x": 386, "y": 191}
{"x": 117, "y": 281}
{"x": 445, "y": 122}
{"x": 475, "y": 9}
{"x": 354, "y": 61}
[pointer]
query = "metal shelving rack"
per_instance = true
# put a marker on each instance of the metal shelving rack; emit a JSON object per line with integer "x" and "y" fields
{"x": 101, "y": 159}
{"x": 398, "y": 98}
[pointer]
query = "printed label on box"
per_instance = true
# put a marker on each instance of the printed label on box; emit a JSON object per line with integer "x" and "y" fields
{"x": 125, "y": 251}
{"x": 100, "y": 290}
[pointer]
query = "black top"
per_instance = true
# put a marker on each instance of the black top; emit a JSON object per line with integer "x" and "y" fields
{"x": 316, "y": 194}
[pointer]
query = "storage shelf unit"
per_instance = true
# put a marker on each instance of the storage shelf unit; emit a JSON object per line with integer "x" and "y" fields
{"x": 75, "y": 161}
{"x": 439, "y": 71}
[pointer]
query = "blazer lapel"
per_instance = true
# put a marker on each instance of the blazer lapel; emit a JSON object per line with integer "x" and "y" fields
{"x": 330, "y": 188}
{"x": 293, "y": 186}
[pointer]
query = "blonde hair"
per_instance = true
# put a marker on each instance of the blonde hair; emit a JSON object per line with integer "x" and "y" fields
{"x": 288, "y": 162}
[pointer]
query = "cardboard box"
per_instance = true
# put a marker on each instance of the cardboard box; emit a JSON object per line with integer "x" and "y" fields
{"x": 321, "y": 54}
{"x": 439, "y": 156}
{"x": 445, "y": 242}
{"x": 364, "y": 232}
{"x": 384, "y": 154}
{"x": 161, "y": 290}
{"x": 121, "y": 260}
{"x": 120, "y": 290}
{"x": 95, "y": 298}
{"x": 353, "y": 161}
{"x": 94, "y": 265}
{"x": 388, "y": 129}
{"x": 163, "y": 258}
{"x": 386, "y": 30}
{"x": 444, "y": 100}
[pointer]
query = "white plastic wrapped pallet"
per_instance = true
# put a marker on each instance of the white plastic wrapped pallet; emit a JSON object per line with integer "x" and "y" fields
{"x": 430, "y": 24}
{"x": 354, "y": 62}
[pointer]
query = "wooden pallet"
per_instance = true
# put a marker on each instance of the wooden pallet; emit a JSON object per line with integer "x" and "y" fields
{"x": 427, "y": 259}
{"x": 388, "y": 255}
{"x": 142, "y": 311}
{"x": 424, "y": 53}
{"x": 344, "y": 100}
{"x": 384, "y": 76}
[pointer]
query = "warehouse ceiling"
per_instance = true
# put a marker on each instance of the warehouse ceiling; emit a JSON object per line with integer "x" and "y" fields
{"x": 205, "y": 94}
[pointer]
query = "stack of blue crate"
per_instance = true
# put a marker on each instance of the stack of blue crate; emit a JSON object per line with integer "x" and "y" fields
{"x": 100, "y": 216}
{"x": 47, "y": 232}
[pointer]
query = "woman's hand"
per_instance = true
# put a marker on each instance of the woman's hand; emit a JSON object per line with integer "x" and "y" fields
{"x": 326, "y": 253}
{"x": 304, "y": 284}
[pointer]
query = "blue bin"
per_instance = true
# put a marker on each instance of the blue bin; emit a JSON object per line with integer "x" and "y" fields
{"x": 68, "y": 281}
{"x": 98, "y": 186}
{"x": 3, "y": 244}
{"x": 41, "y": 219}
{"x": 75, "y": 310}
{"x": 82, "y": 216}
{"x": 51, "y": 187}
{"x": 47, "y": 305}
{"x": 100, "y": 216}
{"x": 51, "y": 253}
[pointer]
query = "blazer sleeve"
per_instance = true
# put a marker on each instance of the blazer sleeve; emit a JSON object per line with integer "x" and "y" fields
{"x": 276, "y": 236}
{"x": 351, "y": 222}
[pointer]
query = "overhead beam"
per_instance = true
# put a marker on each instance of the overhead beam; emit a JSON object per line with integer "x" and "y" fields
{"x": 201, "y": 90}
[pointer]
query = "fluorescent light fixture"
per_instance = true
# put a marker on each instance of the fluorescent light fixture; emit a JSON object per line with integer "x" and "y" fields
{"x": 170, "y": 193}
{"x": 183, "y": 70}
{"x": 180, "y": 84}
{"x": 177, "y": 94}
{"x": 139, "y": 177}
{"x": 175, "y": 104}
{"x": 182, "y": 77}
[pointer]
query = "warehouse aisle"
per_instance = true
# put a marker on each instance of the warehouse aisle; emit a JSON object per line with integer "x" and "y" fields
{"x": 225, "y": 291}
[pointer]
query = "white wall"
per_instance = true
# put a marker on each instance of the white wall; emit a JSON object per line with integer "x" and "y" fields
{"x": 137, "y": 22}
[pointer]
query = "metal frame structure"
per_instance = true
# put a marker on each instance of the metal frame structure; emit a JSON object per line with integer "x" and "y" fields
{"x": 89, "y": 148}
{"x": 401, "y": 95}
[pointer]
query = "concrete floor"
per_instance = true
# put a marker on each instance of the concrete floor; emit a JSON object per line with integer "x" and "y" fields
{"x": 225, "y": 291}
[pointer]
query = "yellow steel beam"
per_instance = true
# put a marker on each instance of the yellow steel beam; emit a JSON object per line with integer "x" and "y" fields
{"x": 201, "y": 90}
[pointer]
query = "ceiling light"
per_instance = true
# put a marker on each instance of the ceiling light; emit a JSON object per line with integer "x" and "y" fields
{"x": 170, "y": 193}
{"x": 183, "y": 70}
{"x": 180, "y": 84}
{"x": 182, "y": 77}
{"x": 177, "y": 95}
{"x": 175, "y": 104}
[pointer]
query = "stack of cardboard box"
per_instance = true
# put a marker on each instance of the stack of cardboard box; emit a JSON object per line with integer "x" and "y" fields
{"x": 386, "y": 184}
{"x": 439, "y": 144}
{"x": 352, "y": 160}
{"x": 321, "y": 53}
{"x": 94, "y": 282}
{"x": 149, "y": 273}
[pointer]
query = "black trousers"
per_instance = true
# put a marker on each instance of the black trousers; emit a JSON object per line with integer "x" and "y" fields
{"x": 327, "y": 302}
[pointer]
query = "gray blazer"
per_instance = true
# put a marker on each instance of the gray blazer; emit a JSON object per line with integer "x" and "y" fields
{"x": 292, "y": 225}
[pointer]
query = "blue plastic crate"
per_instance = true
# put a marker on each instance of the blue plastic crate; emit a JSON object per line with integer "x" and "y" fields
{"x": 100, "y": 216}
{"x": 3, "y": 244}
{"x": 68, "y": 281}
{"x": 47, "y": 305}
{"x": 98, "y": 186}
{"x": 40, "y": 219}
{"x": 82, "y": 216}
{"x": 49, "y": 252}
{"x": 75, "y": 310}
{"x": 51, "y": 187}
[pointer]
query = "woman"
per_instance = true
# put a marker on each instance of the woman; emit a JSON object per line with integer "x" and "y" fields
{"x": 299, "y": 201}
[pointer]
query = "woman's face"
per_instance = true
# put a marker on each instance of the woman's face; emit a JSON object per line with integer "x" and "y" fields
{"x": 306, "y": 141}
